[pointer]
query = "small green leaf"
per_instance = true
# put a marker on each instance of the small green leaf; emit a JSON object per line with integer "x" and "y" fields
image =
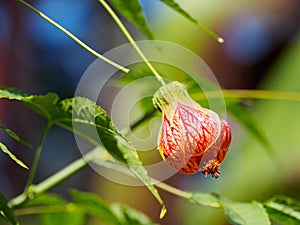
{"x": 12, "y": 156}
{"x": 14, "y": 135}
{"x": 206, "y": 199}
{"x": 6, "y": 212}
{"x": 11, "y": 93}
{"x": 243, "y": 213}
{"x": 132, "y": 11}
{"x": 179, "y": 10}
{"x": 284, "y": 210}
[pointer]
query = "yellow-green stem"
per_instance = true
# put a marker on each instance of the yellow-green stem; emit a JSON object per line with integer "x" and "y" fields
{"x": 131, "y": 40}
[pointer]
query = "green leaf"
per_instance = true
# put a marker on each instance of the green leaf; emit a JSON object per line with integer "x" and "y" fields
{"x": 14, "y": 135}
{"x": 43, "y": 104}
{"x": 12, "y": 156}
{"x": 6, "y": 212}
{"x": 179, "y": 10}
{"x": 82, "y": 116}
{"x": 284, "y": 210}
{"x": 11, "y": 93}
{"x": 132, "y": 11}
{"x": 242, "y": 213}
{"x": 116, "y": 214}
{"x": 206, "y": 199}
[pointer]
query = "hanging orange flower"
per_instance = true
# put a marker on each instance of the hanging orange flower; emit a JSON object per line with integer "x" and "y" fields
{"x": 192, "y": 138}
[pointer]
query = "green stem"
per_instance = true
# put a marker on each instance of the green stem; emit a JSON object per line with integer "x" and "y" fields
{"x": 37, "y": 157}
{"x": 56, "y": 178}
{"x": 131, "y": 40}
{"x": 173, "y": 190}
{"x": 121, "y": 169}
{"x": 77, "y": 40}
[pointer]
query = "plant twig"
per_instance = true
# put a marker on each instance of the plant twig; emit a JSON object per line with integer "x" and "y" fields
{"x": 131, "y": 40}
{"x": 77, "y": 40}
{"x": 35, "y": 162}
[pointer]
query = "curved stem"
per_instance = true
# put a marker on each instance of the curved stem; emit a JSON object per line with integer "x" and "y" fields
{"x": 37, "y": 157}
{"x": 77, "y": 40}
{"x": 131, "y": 40}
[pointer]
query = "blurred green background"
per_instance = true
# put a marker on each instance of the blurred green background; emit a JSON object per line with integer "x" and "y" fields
{"x": 261, "y": 51}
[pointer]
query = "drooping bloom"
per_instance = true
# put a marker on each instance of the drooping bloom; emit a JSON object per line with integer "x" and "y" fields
{"x": 192, "y": 138}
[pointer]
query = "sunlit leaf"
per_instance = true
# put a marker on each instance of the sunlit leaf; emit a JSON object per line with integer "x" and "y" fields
{"x": 132, "y": 11}
{"x": 243, "y": 213}
{"x": 6, "y": 212}
{"x": 89, "y": 120}
{"x": 12, "y": 156}
{"x": 14, "y": 135}
{"x": 284, "y": 210}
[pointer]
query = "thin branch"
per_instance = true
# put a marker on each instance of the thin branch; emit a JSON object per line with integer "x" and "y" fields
{"x": 131, "y": 40}
{"x": 77, "y": 40}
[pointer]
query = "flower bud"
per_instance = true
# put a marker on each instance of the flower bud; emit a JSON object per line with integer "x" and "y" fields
{"x": 192, "y": 138}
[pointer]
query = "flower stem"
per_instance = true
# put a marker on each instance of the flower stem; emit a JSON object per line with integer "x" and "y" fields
{"x": 77, "y": 40}
{"x": 37, "y": 157}
{"x": 131, "y": 40}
